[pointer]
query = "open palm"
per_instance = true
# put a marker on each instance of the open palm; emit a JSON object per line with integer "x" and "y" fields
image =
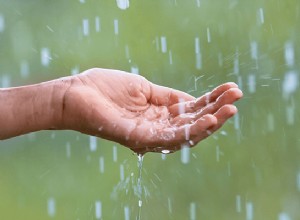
{"x": 134, "y": 112}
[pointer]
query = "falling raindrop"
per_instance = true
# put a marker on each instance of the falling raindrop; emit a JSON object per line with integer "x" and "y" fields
{"x": 101, "y": 164}
{"x": 260, "y": 16}
{"x": 98, "y": 209}
{"x": 24, "y": 69}
{"x": 45, "y": 56}
{"x": 85, "y": 27}
{"x": 238, "y": 203}
{"x": 123, "y": 4}
{"x": 93, "y": 143}
{"x": 51, "y": 207}
{"x": 283, "y": 216}
{"x": 249, "y": 211}
{"x": 185, "y": 154}
{"x": 193, "y": 211}
{"x": 163, "y": 41}
{"x": 116, "y": 26}
{"x": 2, "y": 23}
{"x": 289, "y": 54}
{"x": 97, "y": 24}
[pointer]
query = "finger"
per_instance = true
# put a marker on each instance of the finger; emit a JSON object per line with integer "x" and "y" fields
{"x": 161, "y": 95}
{"x": 216, "y": 93}
{"x": 194, "y": 105}
{"x": 223, "y": 114}
{"x": 228, "y": 97}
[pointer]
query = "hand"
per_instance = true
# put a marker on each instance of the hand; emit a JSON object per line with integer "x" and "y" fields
{"x": 140, "y": 115}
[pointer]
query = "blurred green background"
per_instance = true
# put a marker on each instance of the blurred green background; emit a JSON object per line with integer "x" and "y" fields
{"x": 250, "y": 169}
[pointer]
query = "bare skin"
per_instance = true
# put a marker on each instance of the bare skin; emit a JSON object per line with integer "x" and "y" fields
{"x": 118, "y": 106}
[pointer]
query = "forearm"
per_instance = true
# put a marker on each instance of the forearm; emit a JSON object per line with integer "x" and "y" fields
{"x": 31, "y": 108}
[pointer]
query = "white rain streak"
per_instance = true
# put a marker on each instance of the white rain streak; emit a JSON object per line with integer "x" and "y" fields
{"x": 185, "y": 154}
{"x": 220, "y": 59}
{"x": 290, "y": 114}
{"x": 68, "y": 150}
{"x": 270, "y": 121}
{"x": 93, "y": 143}
{"x": 253, "y": 48}
{"x": 198, "y": 3}
{"x": 140, "y": 203}
{"x": 208, "y": 35}
{"x": 75, "y": 70}
{"x": 122, "y": 175}
{"x": 236, "y": 63}
{"x": 218, "y": 153}
{"x": 236, "y": 121}
{"x": 85, "y": 27}
{"x": 198, "y": 54}
{"x": 260, "y": 16}
{"x": 115, "y": 154}
{"x": 283, "y": 216}
{"x": 127, "y": 53}
{"x": 249, "y": 211}
{"x": 101, "y": 164}
{"x": 97, "y": 24}
{"x": 24, "y": 68}
{"x": 298, "y": 181}
{"x": 116, "y": 26}
{"x": 45, "y": 56}
{"x": 193, "y": 211}
{"x": 238, "y": 203}
{"x": 251, "y": 83}
{"x": 170, "y": 58}
{"x": 51, "y": 207}
{"x": 123, "y": 4}
{"x": 169, "y": 205}
{"x": 163, "y": 155}
{"x": 126, "y": 213}
{"x": 228, "y": 168}
{"x": 135, "y": 69}
{"x": 163, "y": 42}
{"x": 290, "y": 83}
{"x": 82, "y": 1}
{"x": 2, "y": 23}
{"x": 289, "y": 54}
{"x": 5, "y": 81}
{"x": 98, "y": 209}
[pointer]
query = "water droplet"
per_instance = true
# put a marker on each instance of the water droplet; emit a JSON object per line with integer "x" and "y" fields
{"x": 185, "y": 154}
{"x": 24, "y": 68}
{"x": 289, "y": 54}
{"x": 123, "y": 4}
{"x": 51, "y": 207}
{"x": 2, "y": 23}
{"x": 251, "y": 83}
{"x": 126, "y": 213}
{"x": 93, "y": 143}
{"x": 101, "y": 164}
{"x": 208, "y": 35}
{"x": 115, "y": 155}
{"x": 249, "y": 211}
{"x": 85, "y": 27}
{"x": 122, "y": 175}
{"x": 238, "y": 205}
{"x": 165, "y": 151}
{"x": 68, "y": 150}
{"x": 45, "y": 56}
{"x": 116, "y": 26}
{"x": 98, "y": 209}
{"x": 140, "y": 203}
{"x": 260, "y": 15}
{"x": 97, "y": 24}
{"x": 290, "y": 83}
{"x": 283, "y": 216}
{"x": 193, "y": 211}
{"x": 163, "y": 41}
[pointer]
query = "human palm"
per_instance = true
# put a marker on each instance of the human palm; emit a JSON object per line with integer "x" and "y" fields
{"x": 134, "y": 112}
